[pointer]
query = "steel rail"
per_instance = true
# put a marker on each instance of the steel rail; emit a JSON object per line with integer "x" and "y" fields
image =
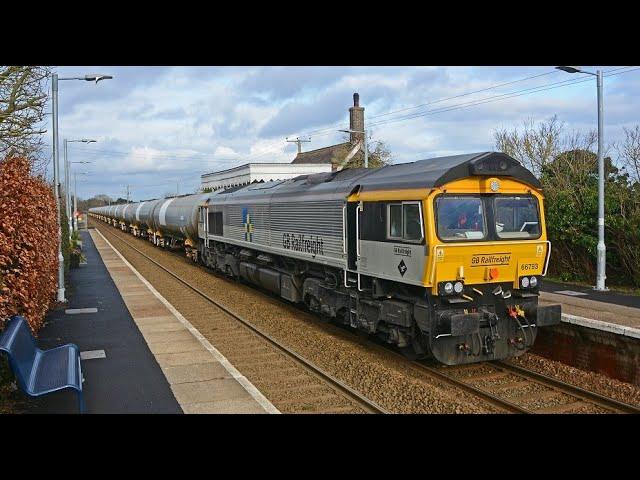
{"x": 488, "y": 397}
{"x": 555, "y": 384}
{"x": 338, "y": 385}
{"x": 569, "y": 389}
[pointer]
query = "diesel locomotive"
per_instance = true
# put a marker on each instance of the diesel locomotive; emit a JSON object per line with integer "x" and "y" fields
{"x": 440, "y": 257}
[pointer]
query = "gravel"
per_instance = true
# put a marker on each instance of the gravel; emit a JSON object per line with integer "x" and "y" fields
{"x": 528, "y": 389}
{"x": 545, "y": 402}
{"x": 381, "y": 376}
{"x": 595, "y": 382}
{"x": 378, "y": 374}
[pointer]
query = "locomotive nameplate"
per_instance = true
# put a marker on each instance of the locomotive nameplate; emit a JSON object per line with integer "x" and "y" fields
{"x": 403, "y": 251}
{"x": 483, "y": 260}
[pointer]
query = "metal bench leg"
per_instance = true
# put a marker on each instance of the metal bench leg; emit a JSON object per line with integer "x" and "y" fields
{"x": 81, "y": 404}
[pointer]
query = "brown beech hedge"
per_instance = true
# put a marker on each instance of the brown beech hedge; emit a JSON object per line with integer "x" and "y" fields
{"x": 28, "y": 243}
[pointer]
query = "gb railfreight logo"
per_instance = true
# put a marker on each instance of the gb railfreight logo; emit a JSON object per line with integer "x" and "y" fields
{"x": 299, "y": 242}
{"x": 481, "y": 260}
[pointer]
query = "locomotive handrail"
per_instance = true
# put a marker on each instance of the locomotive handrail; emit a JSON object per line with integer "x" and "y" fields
{"x": 358, "y": 210}
{"x": 546, "y": 264}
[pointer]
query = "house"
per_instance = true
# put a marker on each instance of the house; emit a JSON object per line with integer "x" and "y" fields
{"x": 325, "y": 159}
{"x": 338, "y": 155}
{"x": 258, "y": 172}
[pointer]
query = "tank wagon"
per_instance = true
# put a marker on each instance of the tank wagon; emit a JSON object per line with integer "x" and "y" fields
{"x": 170, "y": 222}
{"x": 440, "y": 257}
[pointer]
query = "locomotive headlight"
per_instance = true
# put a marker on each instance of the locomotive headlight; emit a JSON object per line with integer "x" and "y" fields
{"x": 524, "y": 282}
{"x": 448, "y": 288}
{"x": 533, "y": 282}
{"x": 458, "y": 287}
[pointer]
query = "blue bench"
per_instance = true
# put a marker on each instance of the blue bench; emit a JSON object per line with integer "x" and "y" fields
{"x": 39, "y": 372}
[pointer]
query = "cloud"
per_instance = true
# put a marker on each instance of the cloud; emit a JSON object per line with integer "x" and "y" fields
{"x": 157, "y": 126}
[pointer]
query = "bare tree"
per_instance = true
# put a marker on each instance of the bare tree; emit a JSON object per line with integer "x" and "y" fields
{"x": 534, "y": 146}
{"x": 629, "y": 151}
{"x": 23, "y": 96}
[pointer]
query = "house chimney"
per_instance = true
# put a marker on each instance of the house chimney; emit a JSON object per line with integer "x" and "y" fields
{"x": 356, "y": 120}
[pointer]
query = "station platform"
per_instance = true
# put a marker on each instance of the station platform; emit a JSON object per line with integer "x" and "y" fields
{"x": 599, "y": 331}
{"x": 607, "y": 311}
{"x": 139, "y": 355}
{"x": 121, "y": 374}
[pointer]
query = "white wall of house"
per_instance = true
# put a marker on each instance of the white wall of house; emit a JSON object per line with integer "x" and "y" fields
{"x": 255, "y": 172}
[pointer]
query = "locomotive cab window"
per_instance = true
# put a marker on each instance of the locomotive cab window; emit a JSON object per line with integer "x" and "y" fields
{"x": 516, "y": 217}
{"x": 460, "y": 218}
{"x": 404, "y": 222}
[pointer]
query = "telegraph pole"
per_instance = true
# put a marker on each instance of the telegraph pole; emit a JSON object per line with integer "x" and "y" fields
{"x": 299, "y": 142}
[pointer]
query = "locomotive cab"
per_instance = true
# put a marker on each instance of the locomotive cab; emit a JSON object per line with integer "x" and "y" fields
{"x": 476, "y": 243}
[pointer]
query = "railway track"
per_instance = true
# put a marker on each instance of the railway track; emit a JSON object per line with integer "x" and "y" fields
{"x": 506, "y": 387}
{"x": 520, "y": 390}
{"x": 280, "y": 375}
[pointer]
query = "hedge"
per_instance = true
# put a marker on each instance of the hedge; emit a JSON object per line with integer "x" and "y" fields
{"x": 28, "y": 243}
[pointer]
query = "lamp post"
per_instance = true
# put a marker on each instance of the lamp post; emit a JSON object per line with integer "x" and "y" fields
{"x": 67, "y": 178}
{"x": 75, "y": 196}
{"x": 602, "y": 250}
{"x": 56, "y": 167}
{"x": 365, "y": 146}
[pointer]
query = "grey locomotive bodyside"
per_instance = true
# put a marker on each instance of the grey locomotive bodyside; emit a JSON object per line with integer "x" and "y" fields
{"x": 300, "y": 223}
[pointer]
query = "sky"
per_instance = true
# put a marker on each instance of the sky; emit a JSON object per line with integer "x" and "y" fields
{"x": 157, "y": 129}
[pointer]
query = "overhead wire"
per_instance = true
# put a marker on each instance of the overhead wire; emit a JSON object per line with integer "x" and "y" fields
{"x": 402, "y": 118}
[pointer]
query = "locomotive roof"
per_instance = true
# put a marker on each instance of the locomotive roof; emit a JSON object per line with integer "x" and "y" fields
{"x": 432, "y": 172}
{"x": 429, "y": 173}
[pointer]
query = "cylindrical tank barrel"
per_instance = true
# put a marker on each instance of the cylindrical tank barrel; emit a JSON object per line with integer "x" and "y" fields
{"x": 129, "y": 213}
{"x": 144, "y": 212}
{"x": 178, "y": 216}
